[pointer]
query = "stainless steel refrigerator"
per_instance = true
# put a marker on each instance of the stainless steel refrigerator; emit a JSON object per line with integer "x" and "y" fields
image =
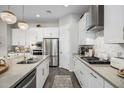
{"x": 51, "y": 48}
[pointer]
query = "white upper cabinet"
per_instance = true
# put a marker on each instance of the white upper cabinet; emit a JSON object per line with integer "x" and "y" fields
{"x": 82, "y": 30}
{"x": 36, "y": 34}
{"x": 33, "y": 35}
{"x": 114, "y": 24}
{"x": 85, "y": 37}
{"x": 51, "y": 32}
{"x": 18, "y": 37}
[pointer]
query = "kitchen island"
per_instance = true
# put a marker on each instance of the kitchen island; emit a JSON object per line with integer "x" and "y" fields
{"x": 17, "y": 72}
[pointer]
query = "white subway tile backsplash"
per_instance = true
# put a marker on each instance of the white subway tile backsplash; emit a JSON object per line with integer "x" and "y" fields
{"x": 103, "y": 49}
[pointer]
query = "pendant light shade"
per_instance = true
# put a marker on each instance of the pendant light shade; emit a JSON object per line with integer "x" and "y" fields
{"x": 8, "y": 17}
{"x": 23, "y": 25}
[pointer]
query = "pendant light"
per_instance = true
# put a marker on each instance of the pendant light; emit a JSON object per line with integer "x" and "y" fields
{"x": 23, "y": 25}
{"x": 8, "y": 17}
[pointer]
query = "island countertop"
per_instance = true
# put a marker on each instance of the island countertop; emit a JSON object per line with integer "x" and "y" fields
{"x": 107, "y": 72}
{"x": 18, "y": 71}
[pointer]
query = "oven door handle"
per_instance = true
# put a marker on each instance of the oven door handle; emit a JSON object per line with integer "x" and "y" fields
{"x": 25, "y": 86}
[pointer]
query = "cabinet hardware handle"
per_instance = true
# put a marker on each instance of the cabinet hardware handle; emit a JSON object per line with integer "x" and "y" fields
{"x": 81, "y": 72}
{"x": 123, "y": 32}
{"x": 93, "y": 75}
{"x": 81, "y": 83}
{"x": 42, "y": 71}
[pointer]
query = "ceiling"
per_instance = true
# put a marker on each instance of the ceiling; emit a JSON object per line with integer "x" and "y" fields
{"x": 58, "y": 11}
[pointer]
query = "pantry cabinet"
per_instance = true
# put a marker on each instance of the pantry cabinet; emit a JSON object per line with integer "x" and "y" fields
{"x": 114, "y": 24}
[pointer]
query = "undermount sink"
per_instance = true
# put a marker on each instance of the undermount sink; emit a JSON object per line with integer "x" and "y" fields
{"x": 29, "y": 61}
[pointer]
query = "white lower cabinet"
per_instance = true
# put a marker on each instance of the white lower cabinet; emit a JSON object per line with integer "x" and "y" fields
{"x": 95, "y": 81}
{"x": 42, "y": 73}
{"x": 88, "y": 78}
{"x": 81, "y": 73}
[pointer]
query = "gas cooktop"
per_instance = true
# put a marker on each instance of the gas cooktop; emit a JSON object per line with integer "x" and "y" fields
{"x": 95, "y": 60}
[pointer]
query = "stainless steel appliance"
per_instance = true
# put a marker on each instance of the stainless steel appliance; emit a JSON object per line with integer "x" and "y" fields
{"x": 95, "y": 18}
{"x": 51, "y": 48}
{"x": 37, "y": 52}
{"x": 95, "y": 60}
{"x": 28, "y": 82}
{"x": 38, "y": 49}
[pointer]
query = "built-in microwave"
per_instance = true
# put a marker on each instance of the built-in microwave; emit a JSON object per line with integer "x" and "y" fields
{"x": 37, "y": 52}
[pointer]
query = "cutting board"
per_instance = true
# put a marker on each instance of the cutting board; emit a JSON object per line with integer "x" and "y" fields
{"x": 3, "y": 68}
{"x": 120, "y": 73}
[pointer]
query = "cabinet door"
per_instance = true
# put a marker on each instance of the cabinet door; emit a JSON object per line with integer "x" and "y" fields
{"x": 95, "y": 81}
{"x": 40, "y": 75}
{"x": 82, "y": 30}
{"x": 33, "y": 35}
{"x": 55, "y": 32}
{"x": 40, "y": 35}
{"x": 15, "y": 37}
{"x": 114, "y": 24}
{"x": 51, "y": 32}
{"x": 27, "y": 37}
{"x": 18, "y": 37}
{"x": 46, "y": 69}
{"x": 80, "y": 72}
{"x": 84, "y": 76}
{"x": 22, "y": 37}
{"x": 46, "y": 33}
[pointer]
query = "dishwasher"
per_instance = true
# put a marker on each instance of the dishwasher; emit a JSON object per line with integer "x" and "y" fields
{"x": 29, "y": 81}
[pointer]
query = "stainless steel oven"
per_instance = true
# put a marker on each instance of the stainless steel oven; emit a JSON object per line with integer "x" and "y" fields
{"x": 28, "y": 82}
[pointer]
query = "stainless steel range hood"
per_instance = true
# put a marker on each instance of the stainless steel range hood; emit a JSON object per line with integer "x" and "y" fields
{"x": 95, "y": 19}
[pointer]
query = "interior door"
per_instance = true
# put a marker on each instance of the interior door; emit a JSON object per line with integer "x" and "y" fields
{"x": 64, "y": 48}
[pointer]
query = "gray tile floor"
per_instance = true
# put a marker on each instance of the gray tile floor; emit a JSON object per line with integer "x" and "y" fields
{"x": 60, "y": 71}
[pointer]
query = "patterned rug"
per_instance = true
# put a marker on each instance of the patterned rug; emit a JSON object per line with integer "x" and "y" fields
{"x": 62, "y": 81}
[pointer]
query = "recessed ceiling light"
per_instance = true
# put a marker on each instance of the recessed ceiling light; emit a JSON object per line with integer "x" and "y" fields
{"x": 48, "y": 11}
{"x": 37, "y": 15}
{"x": 66, "y": 5}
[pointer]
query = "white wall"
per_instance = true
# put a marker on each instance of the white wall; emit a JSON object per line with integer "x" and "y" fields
{"x": 3, "y": 39}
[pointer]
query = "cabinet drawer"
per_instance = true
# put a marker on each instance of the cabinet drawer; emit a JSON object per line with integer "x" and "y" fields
{"x": 97, "y": 77}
